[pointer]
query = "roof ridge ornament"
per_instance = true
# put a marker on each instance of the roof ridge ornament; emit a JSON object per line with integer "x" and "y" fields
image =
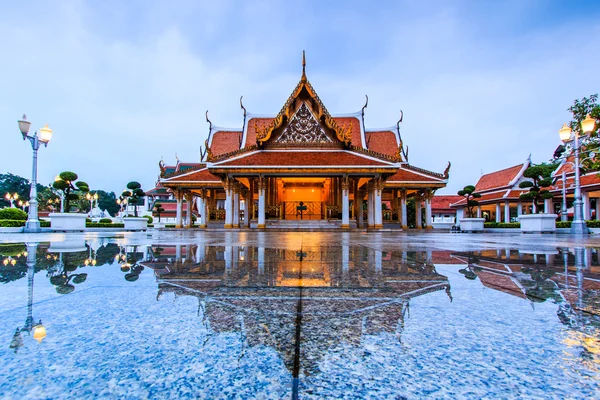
{"x": 303, "y": 65}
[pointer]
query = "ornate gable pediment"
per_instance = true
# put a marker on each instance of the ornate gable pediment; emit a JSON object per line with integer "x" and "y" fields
{"x": 303, "y": 128}
{"x": 304, "y": 97}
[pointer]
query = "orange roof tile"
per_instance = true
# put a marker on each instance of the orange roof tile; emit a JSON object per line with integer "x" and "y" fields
{"x": 383, "y": 142}
{"x": 500, "y": 282}
{"x": 404, "y": 175}
{"x": 197, "y": 176}
{"x": 355, "y": 132}
{"x": 303, "y": 158}
{"x": 442, "y": 202}
{"x": 254, "y": 123}
{"x": 498, "y": 179}
{"x": 225, "y": 142}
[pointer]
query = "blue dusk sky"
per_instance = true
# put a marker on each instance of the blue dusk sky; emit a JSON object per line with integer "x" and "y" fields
{"x": 124, "y": 83}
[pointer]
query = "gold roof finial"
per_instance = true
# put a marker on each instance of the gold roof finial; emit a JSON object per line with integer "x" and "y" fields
{"x": 303, "y": 65}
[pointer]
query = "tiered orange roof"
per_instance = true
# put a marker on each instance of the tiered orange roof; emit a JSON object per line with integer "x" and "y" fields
{"x": 441, "y": 203}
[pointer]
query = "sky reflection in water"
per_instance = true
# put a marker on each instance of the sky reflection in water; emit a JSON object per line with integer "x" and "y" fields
{"x": 199, "y": 320}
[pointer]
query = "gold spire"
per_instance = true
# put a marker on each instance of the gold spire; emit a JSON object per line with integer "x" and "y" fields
{"x": 303, "y": 65}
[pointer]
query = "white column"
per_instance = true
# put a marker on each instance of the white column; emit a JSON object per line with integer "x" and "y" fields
{"x": 478, "y": 211}
{"x": 345, "y": 205}
{"x": 228, "y": 206}
{"x": 261, "y": 203}
{"x": 200, "y": 253}
{"x": 248, "y": 206}
{"x": 506, "y": 212}
{"x": 188, "y": 210}
{"x": 377, "y": 198}
{"x": 201, "y": 204}
{"x": 519, "y": 209}
{"x": 419, "y": 223}
{"x": 498, "y": 213}
{"x": 378, "y": 258}
{"x": 586, "y": 205}
{"x": 460, "y": 214}
{"x": 548, "y": 206}
{"x": 404, "y": 223}
{"x": 428, "y": 220}
{"x": 236, "y": 206}
{"x": 177, "y": 253}
{"x": 179, "y": 209}
{"x": 370, "y": 206}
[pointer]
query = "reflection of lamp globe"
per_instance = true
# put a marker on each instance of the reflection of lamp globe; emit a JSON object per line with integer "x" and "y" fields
{"x": 39, "y": 332}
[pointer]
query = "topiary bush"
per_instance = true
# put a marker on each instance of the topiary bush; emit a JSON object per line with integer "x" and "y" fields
{"x": 103, "y": 225}
{"x": 563, "y": 224}
{"x": 105, "y": 221}
{"x": 502, "y": 225}
{"x": 150, "y": 219}
{"x": 11, "y": 223}
{"x": 66, "y": 183}
{"x": 13, "y": 213}
{"x": 134, "y": 194}
{"x": 44, "y": 224}
{"x": 593, "y": 224}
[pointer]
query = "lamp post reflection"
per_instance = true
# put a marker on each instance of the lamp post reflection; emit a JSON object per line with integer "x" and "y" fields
{"x": 39, "y": 331}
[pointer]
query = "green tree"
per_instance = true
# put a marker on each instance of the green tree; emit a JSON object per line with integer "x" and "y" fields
{"x": 468, "y": 192}
{"x": 541, "y": 178}
{"x": 134, "y": 194}
{"x": 48, "y": 199}
{"x": 158, "y": 208}
{"x": 71, "y": 189}
{"x": 10, "y": 183}
{"x": 580, "y": 109}
{"x": 108, "y": 201}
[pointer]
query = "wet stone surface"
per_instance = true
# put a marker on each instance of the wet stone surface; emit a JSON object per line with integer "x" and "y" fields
{"x": 299, "y": 315}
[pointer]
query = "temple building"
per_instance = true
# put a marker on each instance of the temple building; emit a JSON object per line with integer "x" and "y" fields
{"x": 500, "y": 195}
{"x": 302, "y": 166}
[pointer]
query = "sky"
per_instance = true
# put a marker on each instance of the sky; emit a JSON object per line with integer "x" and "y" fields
{"x": 482, "y": 84}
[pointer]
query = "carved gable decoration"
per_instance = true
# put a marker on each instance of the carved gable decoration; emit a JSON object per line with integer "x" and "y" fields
{"x": 303, "y": 128}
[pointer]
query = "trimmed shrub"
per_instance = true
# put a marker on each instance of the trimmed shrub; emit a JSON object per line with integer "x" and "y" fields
{"x": 12, "y": 249}
{"x": 11, "y": 223}
{"x": 13, "y": 213}
{"x": 170, "y": 226}
{"x": 44, "y": 224}
{"x": 502, "y": 225}
{"x": 150, "y": 219}
{"x": 563, "y": 224}
{"x": 593, "y": 224}
{"x": 105, "y": 221}
{"x": 101, "y": 225}
{"x": 88, "y": 220}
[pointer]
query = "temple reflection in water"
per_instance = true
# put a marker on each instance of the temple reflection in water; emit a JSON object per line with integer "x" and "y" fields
{"x": 336, "y": 294}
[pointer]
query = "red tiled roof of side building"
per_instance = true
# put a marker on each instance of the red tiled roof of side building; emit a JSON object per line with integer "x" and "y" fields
{"x": 197, "y": 176}
{"x": 498, "y": 179}
{"x": 485, "y": 198}
{"x": 303, "y": 158}
{"x": 225, "y": 142}
{"x": 404, "y": 175}
{"x": 354, "y": 123}
{"x": 442, "y": 202}
{"x": 445, "y": 257}
{"x": 383, "y": 142}
{"x": 591, "y": 179}
{"x": 254, "y": 123}
{"x": 500, "y": 282}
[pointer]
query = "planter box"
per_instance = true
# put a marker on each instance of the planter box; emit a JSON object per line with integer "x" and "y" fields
{"x": 442, "y": 225}
{"x": 67, "y": 221}
{"x": 538, "y": 223}
{"x": 471, "y": 224}
{"x": 17, "y": 229}
{"x": 135, "y": 223}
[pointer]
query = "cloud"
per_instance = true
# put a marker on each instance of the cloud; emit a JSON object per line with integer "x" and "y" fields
{"x": 125, "y": 84}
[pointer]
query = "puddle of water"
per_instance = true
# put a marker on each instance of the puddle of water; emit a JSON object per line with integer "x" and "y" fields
{"x": 203, "y": 320}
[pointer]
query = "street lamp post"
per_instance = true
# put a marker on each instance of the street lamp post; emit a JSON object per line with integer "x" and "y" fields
{"x": 91, "y": 198}
{"x": 23, "y": 204}
{"x": 33, "y": 223}
{"x": 578, "y": 226}
{"x": 12, "y": 198}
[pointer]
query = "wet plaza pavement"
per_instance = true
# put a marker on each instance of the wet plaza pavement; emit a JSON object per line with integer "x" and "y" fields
{"x": 299, "y": 315}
